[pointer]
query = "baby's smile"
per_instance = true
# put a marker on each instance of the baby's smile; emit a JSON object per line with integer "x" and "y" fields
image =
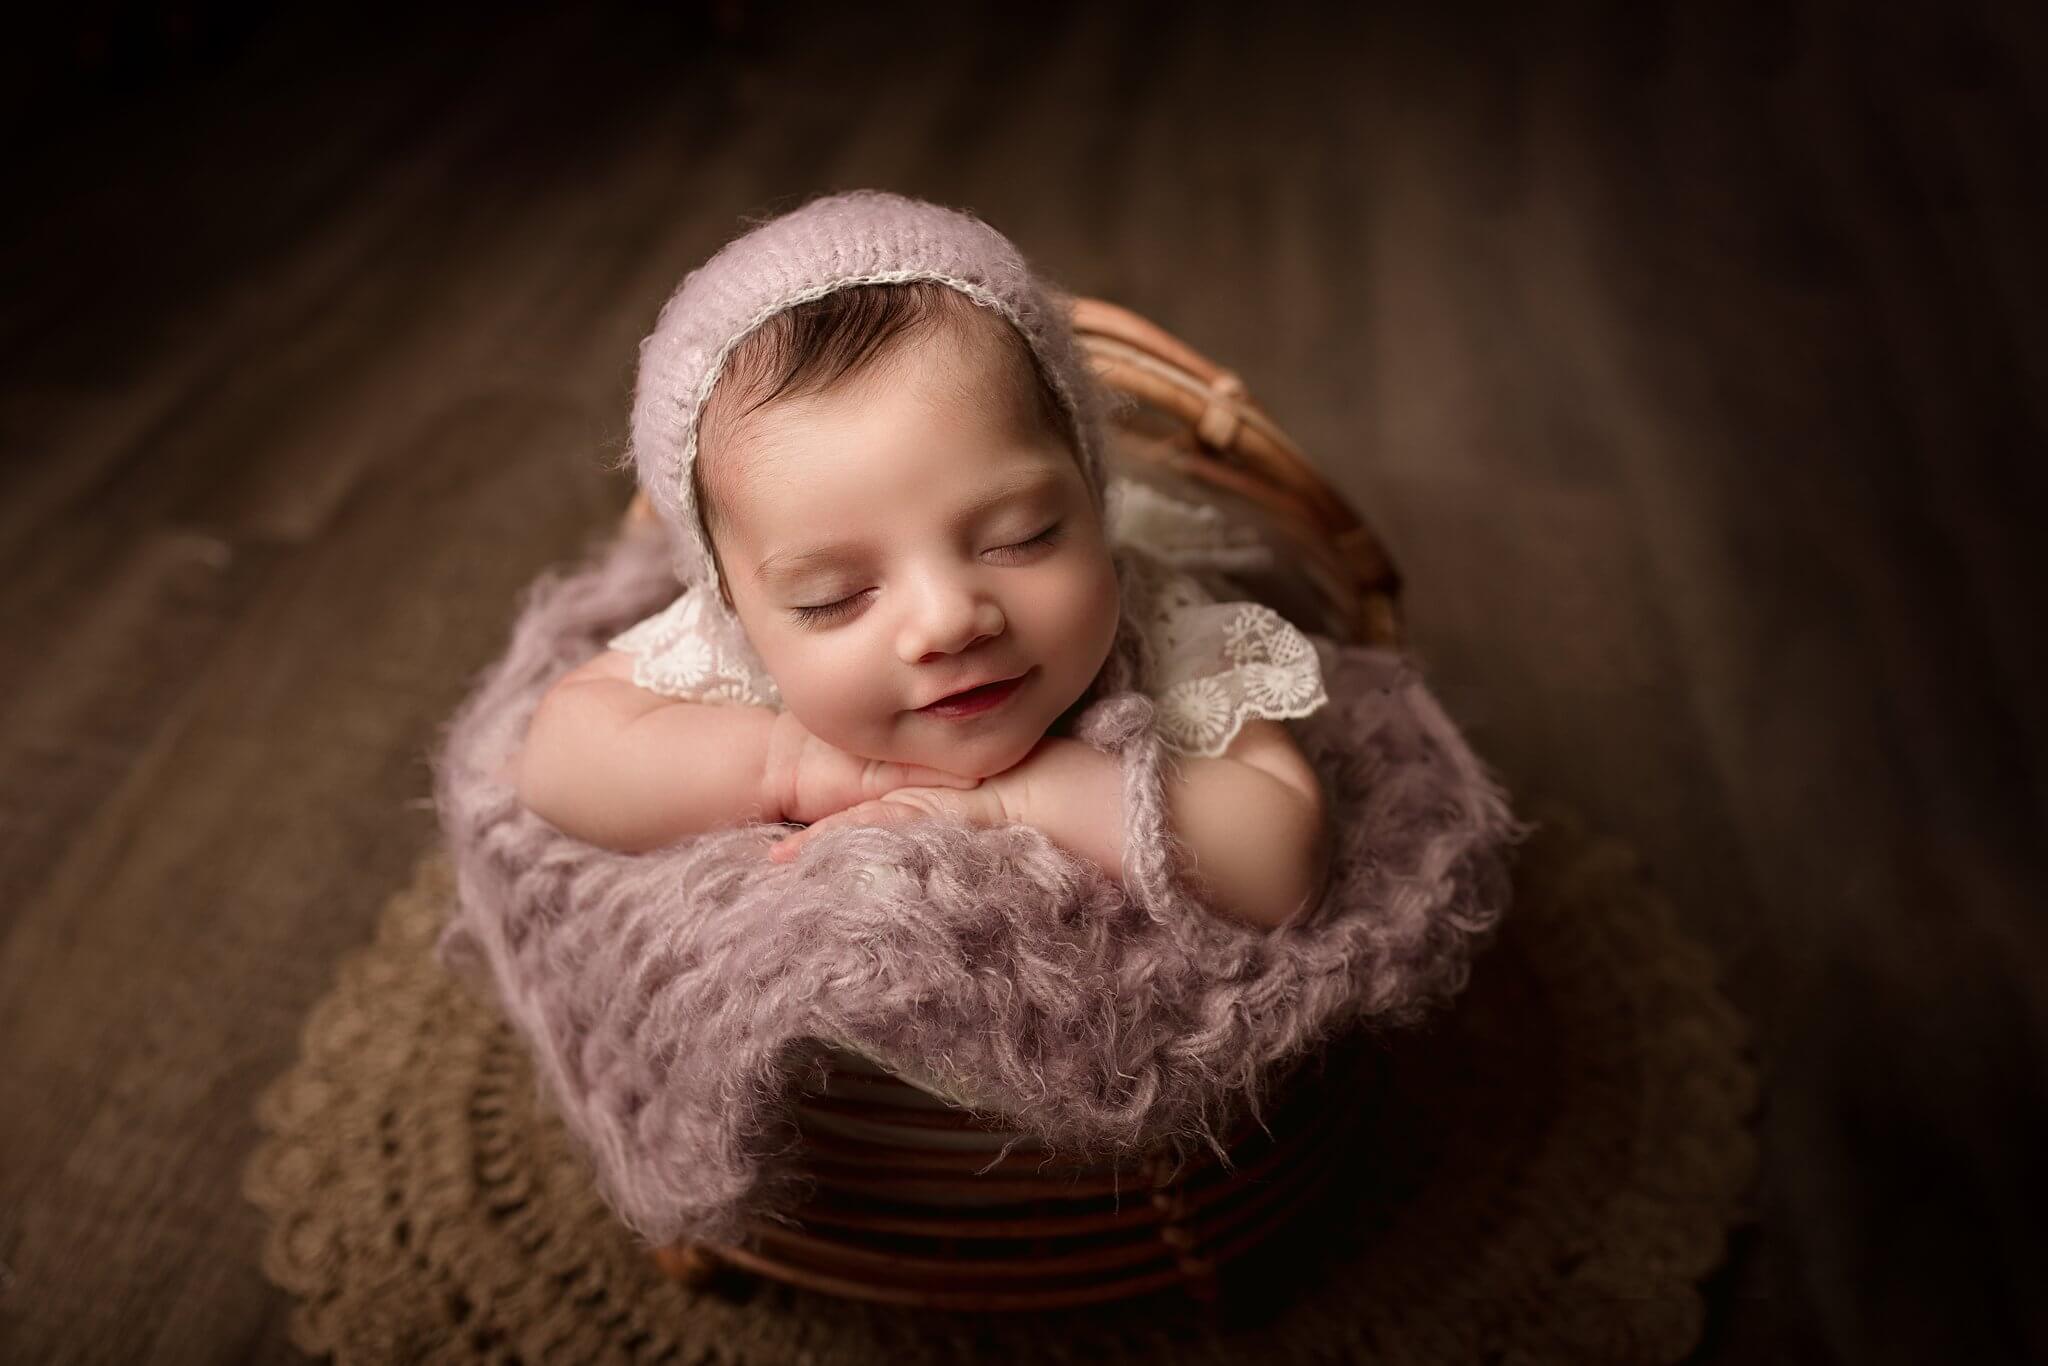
{"x": 972, "y": 703}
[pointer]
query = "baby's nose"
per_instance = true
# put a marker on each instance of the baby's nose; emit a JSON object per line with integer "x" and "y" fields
{"x": 948, "y": 625}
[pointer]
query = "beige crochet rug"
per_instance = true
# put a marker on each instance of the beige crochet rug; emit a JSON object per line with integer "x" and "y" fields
{"x": 1557, "y": 1164}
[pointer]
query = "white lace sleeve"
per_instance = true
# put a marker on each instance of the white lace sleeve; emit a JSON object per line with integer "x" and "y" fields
{"x": 682, "y": 652}
{"x": 1218, "y": 664}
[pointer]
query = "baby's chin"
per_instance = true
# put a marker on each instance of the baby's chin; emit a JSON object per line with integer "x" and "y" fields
{"x": 969, "y": 755}
{"x": 980, "y": 757}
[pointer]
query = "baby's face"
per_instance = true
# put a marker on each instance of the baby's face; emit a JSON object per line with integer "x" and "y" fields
{"x": 892, "y": 540}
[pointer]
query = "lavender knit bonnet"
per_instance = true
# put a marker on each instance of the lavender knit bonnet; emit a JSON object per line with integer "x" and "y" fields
{"x": 858, "y": 238}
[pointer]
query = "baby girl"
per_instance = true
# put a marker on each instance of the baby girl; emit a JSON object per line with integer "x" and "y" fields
{"x": 870, "y": 433}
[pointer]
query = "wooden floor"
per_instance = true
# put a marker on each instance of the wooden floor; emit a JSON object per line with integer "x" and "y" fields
{"x": 1693, "y": 364}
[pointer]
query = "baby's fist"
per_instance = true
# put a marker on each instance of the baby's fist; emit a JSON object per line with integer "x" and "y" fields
{"x": 808, "y": 779}
{"x": 979, "y": 805}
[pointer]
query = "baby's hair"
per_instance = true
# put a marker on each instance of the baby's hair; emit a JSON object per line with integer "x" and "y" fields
{"x": 824, "y": 342}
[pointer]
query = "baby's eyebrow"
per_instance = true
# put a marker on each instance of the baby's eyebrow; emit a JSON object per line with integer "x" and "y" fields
{"x": 789, "y": 564}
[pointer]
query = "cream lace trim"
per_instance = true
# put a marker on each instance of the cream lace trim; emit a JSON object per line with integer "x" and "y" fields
{"x": 687, "y": 652}
{"x": 1217, "y": 665}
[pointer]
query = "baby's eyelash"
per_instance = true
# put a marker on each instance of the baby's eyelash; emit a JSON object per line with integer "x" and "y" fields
{"x": 832, "y": 611}
{"x": 811, "y": 616}
{"x": 1045, "y": 537}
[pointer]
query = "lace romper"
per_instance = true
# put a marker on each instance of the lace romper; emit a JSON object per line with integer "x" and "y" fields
{"x": 1215, "y": 664}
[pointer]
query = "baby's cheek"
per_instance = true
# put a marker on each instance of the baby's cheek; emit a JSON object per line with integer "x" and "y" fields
{"x": 1087, "y": 626}
{"x": 844, "y": 716}
{"x": 827, "y": 716}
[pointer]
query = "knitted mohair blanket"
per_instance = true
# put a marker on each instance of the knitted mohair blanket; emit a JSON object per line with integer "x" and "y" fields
{"x": 673, "y": 999}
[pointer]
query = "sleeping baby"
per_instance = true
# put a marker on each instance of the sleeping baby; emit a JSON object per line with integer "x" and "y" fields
{"x": 880, "y": 458}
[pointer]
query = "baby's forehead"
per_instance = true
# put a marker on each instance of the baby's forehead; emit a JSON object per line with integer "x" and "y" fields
{"x": 786, "y": 454}
{"x": 962, "y": 364}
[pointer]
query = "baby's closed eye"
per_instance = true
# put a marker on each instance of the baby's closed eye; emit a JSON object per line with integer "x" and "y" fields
{"x": 1015, "y": 552}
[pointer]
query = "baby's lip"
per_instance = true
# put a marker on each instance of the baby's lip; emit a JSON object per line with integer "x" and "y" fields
{"x": 996, "y": 678}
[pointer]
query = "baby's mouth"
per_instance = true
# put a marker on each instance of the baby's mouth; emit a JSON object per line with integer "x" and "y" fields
{"x": 973, "y": 700}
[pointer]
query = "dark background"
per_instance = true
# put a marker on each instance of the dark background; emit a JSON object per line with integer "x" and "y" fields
{"x": 1691, "y": 361}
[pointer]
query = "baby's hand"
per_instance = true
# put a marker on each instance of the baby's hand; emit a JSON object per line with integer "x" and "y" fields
{"x": 996, "y": 800}
{"x": 808, "y": 779}
{"x": 979, "y": 805}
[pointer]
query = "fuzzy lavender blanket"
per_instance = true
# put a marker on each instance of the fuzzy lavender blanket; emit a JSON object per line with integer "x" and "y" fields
{"x": 673, "y": 999}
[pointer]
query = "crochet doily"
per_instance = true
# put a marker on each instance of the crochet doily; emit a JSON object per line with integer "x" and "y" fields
{"x": 1555, "y": 1164}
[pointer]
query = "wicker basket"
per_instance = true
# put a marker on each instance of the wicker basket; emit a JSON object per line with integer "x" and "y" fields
{"x": 914, "y": 1201}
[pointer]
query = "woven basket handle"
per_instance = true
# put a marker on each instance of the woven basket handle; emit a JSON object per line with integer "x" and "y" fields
{"x": 1231, "y": 443}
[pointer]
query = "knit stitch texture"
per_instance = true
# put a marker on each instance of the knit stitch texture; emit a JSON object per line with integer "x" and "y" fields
{"x": 673, "y": 999}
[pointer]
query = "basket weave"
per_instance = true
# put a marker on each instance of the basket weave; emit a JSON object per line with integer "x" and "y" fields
{"x": 917, "y": 1202}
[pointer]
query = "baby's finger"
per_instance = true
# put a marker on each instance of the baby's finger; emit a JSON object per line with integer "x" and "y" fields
{"x": 882, "y": 778}
{"x": 876, "y": 812}
{"x": 918, "y": 776}
{"x": 786, "y": 848}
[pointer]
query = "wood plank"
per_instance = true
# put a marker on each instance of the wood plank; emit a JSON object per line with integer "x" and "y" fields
{"x": 223, "y": 272}
{"x": 1809, "y": 598}
{"x": 69, "y": 732}
{"x": 264, "y": 825}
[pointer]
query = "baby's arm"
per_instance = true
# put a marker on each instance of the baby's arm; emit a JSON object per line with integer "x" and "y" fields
{"x": 617, "y": 765}
{"x": 1253, "y": 818}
